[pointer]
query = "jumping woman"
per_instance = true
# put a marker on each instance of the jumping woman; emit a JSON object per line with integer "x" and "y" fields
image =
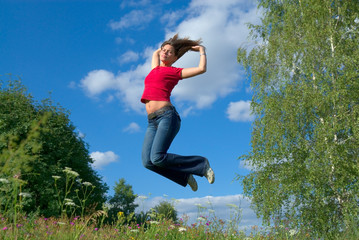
{"x": 163, "y": 120}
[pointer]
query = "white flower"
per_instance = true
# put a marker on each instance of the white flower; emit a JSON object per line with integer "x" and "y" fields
{"x": 70, "y": 172}
{"x": 25, "y": 195}
{"x": 70, "y": 204}
{"x": 56, "y": 177}
{"x": 87, "y": 184}
{"x": 201, "y": 219}
{"x": 142, "y": 197}
{"x": 68, "y": 200}
{"x": 232, "y": 205}
{"x": 4, "y": 180}
{"x": 292, "y": 232}
{"x": 154, "y": 222}
{"x": 182, "y": 229}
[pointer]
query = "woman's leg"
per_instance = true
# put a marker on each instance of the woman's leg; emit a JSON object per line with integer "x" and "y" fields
{"x": 168, "y": 126}
{"x": 179, "y": 178}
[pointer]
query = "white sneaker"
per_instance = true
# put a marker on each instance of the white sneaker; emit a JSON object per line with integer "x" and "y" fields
{"x": 192, "y": 183}
{"x": 209, "y": 174}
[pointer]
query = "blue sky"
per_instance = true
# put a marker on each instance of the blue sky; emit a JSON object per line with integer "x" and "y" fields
{"x": 93, "y": 56}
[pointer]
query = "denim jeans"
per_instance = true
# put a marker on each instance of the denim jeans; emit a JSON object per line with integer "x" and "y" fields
{"x": 160, "y": 133}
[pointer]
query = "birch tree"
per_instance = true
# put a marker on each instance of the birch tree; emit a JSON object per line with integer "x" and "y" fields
{"x": 304, "y": 72}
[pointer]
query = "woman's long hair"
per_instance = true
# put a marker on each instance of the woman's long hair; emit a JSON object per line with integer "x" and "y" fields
{"x": 181, "y": 45}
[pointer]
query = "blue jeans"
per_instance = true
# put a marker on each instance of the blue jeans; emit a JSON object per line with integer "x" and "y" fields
{"x": 160, "y": 133}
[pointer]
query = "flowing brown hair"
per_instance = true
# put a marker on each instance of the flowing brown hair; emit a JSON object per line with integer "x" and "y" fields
{"x": 181, "y": 45}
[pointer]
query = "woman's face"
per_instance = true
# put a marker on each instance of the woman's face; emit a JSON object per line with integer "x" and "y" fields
{"x": 167, "y": 55}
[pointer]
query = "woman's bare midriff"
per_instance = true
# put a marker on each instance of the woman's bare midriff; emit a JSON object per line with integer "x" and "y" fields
{"x": 153, "y": 106}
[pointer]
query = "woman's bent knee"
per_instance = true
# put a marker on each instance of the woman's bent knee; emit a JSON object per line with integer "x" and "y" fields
{"x": 159, "y": 160}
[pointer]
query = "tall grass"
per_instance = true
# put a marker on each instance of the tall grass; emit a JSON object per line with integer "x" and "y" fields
{"x": 14, "y": 224}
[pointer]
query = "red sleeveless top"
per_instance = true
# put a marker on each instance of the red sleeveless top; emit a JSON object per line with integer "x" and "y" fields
{"x": 160, "y": 82}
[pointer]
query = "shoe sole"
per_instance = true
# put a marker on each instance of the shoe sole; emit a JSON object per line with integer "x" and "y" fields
{"x": 210, "y": 175}
{"x": 195, "y": 185}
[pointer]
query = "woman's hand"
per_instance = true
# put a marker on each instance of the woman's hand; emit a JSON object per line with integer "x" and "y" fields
{"x": 199, "y": 48}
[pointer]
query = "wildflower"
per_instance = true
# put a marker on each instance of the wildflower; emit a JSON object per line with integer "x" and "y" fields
{"x": 182, "y": 229}
{"x": 4, "y": 228}
{"x": 232, "y": 205}
{"x": 4, "y": 180}
{"x": 70, "y": 204}
{"x": 292, "y": 232}
{"x": 142, "y": 197}
{"x": 154, "y": 222}
{"x": 56, "y": 177}
{"x": 25, "y": 195}
{"x": 70, "y": 172}
{"x": 72, "y": 223}
{"x": 201, "y": 219}
{"x": 120, "y": 214}
{"x": 60, "y": 223}
{"x": 134, "y": 230}
{"x": 87, "y": 184}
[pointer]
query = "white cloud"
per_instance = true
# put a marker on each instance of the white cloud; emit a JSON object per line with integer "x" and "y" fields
{"x": 98, "y": 81}
{"x": 134, "y": 3}
{"x": 222, "y": 27}
{"x": 102, "y": 159}
{"x": 206, "y": 206}
{"x": 135, "y": 18}
{"x": 240, "y": 111}
{"x": 129, "y": 56}
{"x": 132, "y": 128}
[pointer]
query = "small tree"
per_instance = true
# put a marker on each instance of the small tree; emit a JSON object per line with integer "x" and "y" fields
{"x": 166, "y": 210}
{"x": 122, "y": 201}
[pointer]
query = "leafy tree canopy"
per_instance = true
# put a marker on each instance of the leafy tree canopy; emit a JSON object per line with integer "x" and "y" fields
{"x": 37, "y": 142}
{"x": 305, "y": 81}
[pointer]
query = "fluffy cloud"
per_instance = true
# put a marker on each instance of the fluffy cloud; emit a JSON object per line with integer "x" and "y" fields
{"x": 102, "y": 159}
{"x": 129, "y": 56}
{"x": 98, "y": 81}
{"x": 132, "y": 128}
{"x": 220, "y": 206}
{"x": 222, "y": 27}
{"x": 135, "y": 18}
{"x": 240, "y": 111}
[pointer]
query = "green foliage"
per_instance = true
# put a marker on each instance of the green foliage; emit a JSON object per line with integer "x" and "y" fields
{"x": 122, "y": 201}
{"x": 37, "y": 141}
{"x": 304, "y": 77}
{"x": 166, "y": 210}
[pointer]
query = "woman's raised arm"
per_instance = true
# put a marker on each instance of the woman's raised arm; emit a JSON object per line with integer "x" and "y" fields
{"x": 156, "y": 58}
{"x": 202, "y": 65}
